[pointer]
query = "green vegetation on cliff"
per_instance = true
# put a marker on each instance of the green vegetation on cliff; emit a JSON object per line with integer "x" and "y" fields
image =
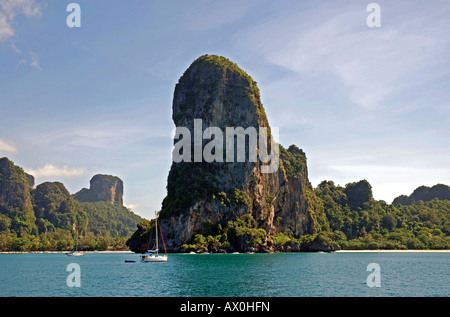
{"x": 187, "y": 183}
{"x": 424, "y": 193}
{"x": 221, "y": 64}
{"x": 347, "y": 217}
{"x": 292, "y": 161}
{"x": 113, "y": 219}
{"x": 356, "y": 221}
{"x": 242, "y": 235}
{"x": 15, "y": 199}
{"x": 229, "y": 69}
{"x": 55, "y": 208}
{"x": 44, "y": 218}
{"x": 238, "y": 235}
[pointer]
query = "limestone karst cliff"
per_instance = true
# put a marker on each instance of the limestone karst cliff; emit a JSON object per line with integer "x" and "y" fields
{"x": 16, "y": 209}
{"x": 207, "y": 194}
{"x": 102, "y": 188}
{"x": 27, "y": 211}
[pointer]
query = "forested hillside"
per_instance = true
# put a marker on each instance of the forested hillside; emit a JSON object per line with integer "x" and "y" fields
{"x": 354, "y": 220}
{"x": 48, "y": 217}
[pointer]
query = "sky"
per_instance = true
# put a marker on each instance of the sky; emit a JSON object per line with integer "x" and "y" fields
{"x": 362, "y": 102}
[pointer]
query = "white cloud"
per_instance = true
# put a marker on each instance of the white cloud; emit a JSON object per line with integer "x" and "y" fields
{"x": 132, "y": 206}
{"x": 105, "y": 137}
{"x": 7, "y": 147}
{"x": 50, "y": 170}
{"x": 372, "y": 64}
{"x": 35, "y": 61}
{"x": 6, "y": 30}
{"x": 35, "y": 64}
{"x": 8, "y": 11}
{"x": 13, "y": 7}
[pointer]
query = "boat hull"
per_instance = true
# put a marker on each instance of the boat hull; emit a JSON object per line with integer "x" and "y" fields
{"x": 74, "y": 254}
{"x": 153, "y": 258}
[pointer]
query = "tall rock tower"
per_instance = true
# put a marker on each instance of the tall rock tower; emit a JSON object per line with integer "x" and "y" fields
{"x": 220, "y": 94}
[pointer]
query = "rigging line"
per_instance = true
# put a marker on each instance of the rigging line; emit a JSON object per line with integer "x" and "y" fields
{"x": 160, "y": 231}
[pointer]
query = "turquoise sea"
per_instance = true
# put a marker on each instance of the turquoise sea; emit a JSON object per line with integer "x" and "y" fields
{"x": 401, "y": 274}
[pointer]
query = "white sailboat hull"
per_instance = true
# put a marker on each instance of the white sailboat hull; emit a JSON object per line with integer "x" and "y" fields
{"x": 154, "y": 258}
{"x": 76, "y": 253}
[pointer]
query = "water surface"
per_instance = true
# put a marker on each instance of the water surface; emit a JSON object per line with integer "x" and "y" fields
{"x": 230, "y": 275}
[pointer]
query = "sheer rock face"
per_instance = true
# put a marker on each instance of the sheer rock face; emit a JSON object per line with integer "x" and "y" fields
{"x": 108, "y": 188}
{"x": 102, "y": 188}
{"x": 222, "y": 95}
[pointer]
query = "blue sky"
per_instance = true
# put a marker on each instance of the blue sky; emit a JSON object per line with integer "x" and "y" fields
{"x": 363, "y": 103}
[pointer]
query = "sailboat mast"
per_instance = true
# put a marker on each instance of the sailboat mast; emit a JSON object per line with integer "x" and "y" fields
{"x": 156, "y": 226}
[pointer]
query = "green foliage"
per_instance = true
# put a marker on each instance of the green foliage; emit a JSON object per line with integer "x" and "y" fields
{"x": 283, "y": 238}
{"x": 218, "y": 70}
{"x": 316, "y": 208}
{"x": 389, "y": 222}
{"x": 358, "y": 193}
{"x": 222, "y": 198}
{"x": 364, "y": 223}
{"x": 15, "y": 198}
{"x": 55, "y": 208}
{"x": 221, "y": 64}
{"x": 60, "y": 240}
{"x": 239, "y": 197}
{"x": 190, "y": 182}
{"x": 43, "y": 218}
{"x": 114, "y": 219}
{"x": 293, "y": 161}
{"x": 147, "y": 226}
{"x": 424, "y": 193}
{"x": 240, "y": 234}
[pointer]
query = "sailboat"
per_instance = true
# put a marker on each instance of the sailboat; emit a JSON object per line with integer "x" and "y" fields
{"x": 153, "y": 255}
{"x": 75, "y": 252}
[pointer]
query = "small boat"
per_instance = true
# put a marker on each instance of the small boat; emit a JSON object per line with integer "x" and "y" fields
{"x": 153, "y": 255}
{"x": 75, "y": 253}
{"x": 130, "y": 261}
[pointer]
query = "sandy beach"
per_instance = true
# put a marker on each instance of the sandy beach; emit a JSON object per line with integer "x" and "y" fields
{"x": 392, "y": 251}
